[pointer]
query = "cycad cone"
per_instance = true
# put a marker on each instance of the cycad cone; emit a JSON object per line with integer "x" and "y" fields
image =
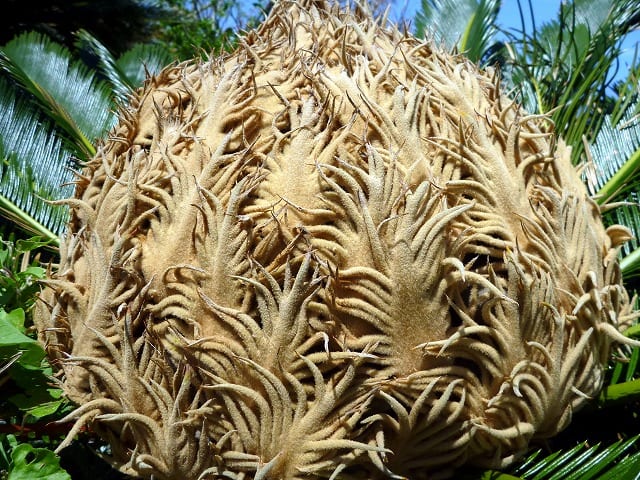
{"x": 338, "y": 252}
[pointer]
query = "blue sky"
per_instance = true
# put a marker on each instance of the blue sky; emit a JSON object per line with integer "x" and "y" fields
{"x": 543, "y": 9}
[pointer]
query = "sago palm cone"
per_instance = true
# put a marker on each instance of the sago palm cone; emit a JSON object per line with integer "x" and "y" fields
{"x": 337, "y": 252}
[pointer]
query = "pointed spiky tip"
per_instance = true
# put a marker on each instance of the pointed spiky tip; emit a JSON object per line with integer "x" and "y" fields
{"x": 338, "y": 252}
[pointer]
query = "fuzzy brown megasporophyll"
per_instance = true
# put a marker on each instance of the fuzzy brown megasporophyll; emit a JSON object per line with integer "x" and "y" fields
{"x": 337, "y": 252}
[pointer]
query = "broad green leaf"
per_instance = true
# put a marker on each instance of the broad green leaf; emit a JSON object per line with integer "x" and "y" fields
{"x": 39, "y": 402}
{"x": 28, "y": 369}
{"x": 18, "y": 275}
{"x": 15, "y": 318}
{"x": 21, "y": 287}
{"x": 29, "y": 463}
{"x": 13, "y": 339}
{"x": 44, "y": 409}
{"x": 27, "y": 245}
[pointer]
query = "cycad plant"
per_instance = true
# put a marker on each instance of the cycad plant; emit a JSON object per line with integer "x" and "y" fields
{"x": 570, "y": 68}
{"x": 54, "y": 110}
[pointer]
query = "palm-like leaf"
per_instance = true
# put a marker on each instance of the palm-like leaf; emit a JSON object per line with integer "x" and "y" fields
{"x": 34, "y": 166}
{"x": 142, "y": 59}
{"x": 36, "y": 160}
{"x": 615, "y": 177}
{"x": 53, "y": 112}
{"x": 565, "y": 67}
{"x": 468, "y": 25}
{"x": 583, "y": 462}
{"x": 66, "y": 90}
{"x": 620, "y": 460}
{"x": 129, "y": 71}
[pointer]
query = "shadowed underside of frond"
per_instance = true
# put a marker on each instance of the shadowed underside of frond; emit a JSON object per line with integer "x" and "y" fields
{"x": 335, "y": 253}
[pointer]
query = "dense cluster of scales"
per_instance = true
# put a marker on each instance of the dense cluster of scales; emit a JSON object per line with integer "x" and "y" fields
{"x": 337, "y": 252}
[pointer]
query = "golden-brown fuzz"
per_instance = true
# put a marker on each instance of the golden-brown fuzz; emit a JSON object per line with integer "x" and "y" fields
{"x": 338, "y": 252}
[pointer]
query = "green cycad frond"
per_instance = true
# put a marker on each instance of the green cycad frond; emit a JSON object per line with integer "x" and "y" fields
{"x": 129, "y": 71}
{"x": 628, "y": 92}
{"x": 37, "y": 156}
{"x": 615, "y": 178}
{"x": 566, "y": 66}
{"x": 618, "y": 460}
{"x": 616, "y": 155}
{"x": 66, "y": 90}
{"x": 143, "y": 59}
{"x": 34, "y": 168}
{"x": 583, "y": 462}
{"x": 468, "y": 25}
{"x": 595, "y": 14}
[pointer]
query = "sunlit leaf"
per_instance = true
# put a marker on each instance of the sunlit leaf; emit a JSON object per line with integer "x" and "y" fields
{"x": 29, "y": 463}
{"x": 141, "y": 60}
{"x": 129, "y": 71}
{"x": 579, "y": 462}
{"x": 66, "y": 90}
{"x": 12, "y": 340}
{"x": 468, "y": 25}
{"x": 565, "y": 66}
{"x": 35, "y": 167}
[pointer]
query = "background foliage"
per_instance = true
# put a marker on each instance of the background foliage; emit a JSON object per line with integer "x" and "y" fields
{"x": 66, "y": 67}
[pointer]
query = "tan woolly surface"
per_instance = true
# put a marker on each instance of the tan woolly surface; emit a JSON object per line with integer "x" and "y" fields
{"x": 337, "y": 252}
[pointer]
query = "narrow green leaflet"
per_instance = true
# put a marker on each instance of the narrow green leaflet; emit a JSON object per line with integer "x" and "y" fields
{"x": 130, "y": 70}
{"x": 597, "y": 465}
{"x": 616, "y": 155}
{"x": 565, "y": 65}
{"x": 628, "y": 468}
{"x": 620, "y": 392}
{"x": 469, "y": 25}
{"x": 35, "y": 168}
{"x": 66, "y": 90}
{"x": 535, "y": 469}
{"x": 581, "y": 463}
{"x": 615, "y": 177}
